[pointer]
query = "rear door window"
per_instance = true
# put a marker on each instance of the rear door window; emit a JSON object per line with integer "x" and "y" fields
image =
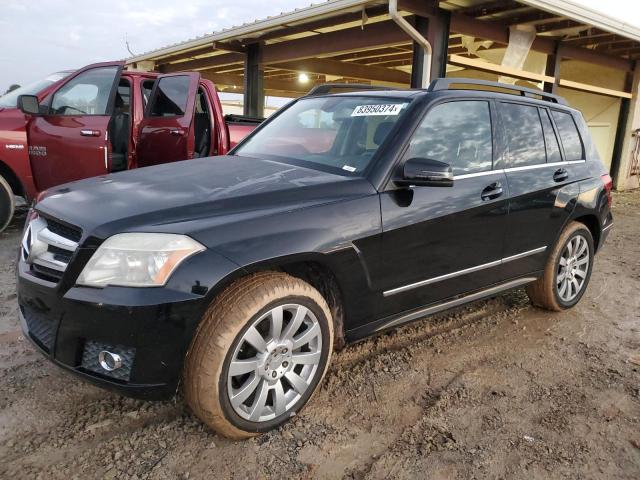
{"x": 524, "y": 135}
{"x": 457, "y": 133}
{"x": 569, "y": 136}
{"x": 171, "y": 96}
{"x": 550, "y": 139}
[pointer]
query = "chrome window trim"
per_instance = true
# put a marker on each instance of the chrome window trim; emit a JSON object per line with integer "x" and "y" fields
{"x": 477, "y": 174}
{"x": 515, "y": 169}
{"x": 465, "y": 271}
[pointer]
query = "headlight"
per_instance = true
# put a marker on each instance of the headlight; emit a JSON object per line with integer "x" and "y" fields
{"x": 137, "y": 259}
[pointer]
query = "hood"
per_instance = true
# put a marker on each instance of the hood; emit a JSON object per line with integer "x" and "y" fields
{"x": 188, "y": 196}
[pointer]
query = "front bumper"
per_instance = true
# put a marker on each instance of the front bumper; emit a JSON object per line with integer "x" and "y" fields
{"x": 152, "y": 326}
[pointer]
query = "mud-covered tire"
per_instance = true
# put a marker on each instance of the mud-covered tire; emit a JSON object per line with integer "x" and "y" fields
{"x": 7, "y": 204}
{"x": 545, "y": 292}
{"x": 222, "y": 334}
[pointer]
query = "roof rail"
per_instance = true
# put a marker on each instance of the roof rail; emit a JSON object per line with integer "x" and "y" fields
{"x": 326, "y": 88}
{"x": 445, "y": 84}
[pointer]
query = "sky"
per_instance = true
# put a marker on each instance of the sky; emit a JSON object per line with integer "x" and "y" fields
{"x": 46, "y": 36}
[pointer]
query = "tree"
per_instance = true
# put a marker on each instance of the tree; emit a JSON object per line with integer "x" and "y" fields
{"x": 11, "y": 88}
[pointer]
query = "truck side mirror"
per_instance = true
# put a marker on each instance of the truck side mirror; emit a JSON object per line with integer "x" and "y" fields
{"x": 29, "y": 104}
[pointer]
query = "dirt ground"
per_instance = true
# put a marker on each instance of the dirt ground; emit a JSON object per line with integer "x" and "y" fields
{"x": 498, "y": 390}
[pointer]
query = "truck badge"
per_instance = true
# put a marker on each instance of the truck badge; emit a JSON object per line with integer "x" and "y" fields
{"x": 37, "y": 151}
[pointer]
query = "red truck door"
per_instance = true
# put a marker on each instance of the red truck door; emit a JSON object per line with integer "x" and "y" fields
{"x": 166, "y": 132}
{"x": 69, "y": 142}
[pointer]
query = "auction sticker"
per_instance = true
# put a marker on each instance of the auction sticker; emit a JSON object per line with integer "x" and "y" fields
{"x": 383, "y": 109}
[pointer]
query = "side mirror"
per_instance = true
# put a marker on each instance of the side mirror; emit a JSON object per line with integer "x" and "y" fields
{"x": 29, "y": 104}
{"x": 426, "y": 172}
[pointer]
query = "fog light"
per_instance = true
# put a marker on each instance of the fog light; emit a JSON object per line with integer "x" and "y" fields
{"x": 109, "y": 361}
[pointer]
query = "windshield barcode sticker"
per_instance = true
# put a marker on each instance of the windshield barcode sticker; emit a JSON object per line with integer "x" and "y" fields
{"x": 369, "y": 110}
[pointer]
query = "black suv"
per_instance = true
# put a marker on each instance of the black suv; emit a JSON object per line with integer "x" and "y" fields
{"x": 341, "y": 216}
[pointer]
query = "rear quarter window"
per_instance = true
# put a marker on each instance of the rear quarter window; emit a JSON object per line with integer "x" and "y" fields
{"x": 524, "y": 135}
{"x": 569, "y": 136}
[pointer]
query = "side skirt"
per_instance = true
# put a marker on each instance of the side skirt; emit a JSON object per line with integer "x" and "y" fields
{"x": 406, "y": 317}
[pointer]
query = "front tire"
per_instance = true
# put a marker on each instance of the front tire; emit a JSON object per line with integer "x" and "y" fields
{"x": 7, "y": 204}
{"x": 567, "y": 272}
{"x": 260, "y": 352}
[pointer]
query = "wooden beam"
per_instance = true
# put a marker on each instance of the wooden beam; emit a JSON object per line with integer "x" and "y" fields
{"x": 593, "y": 39}
{"x": 485, "y": 66}
{"x": 377, "y": 53}
{"x": 589, "y": 56}
{"x": 207, "y": 62}
{"x": 498, "y": 33}
{"x": 325, "y": 22}
{"x": 268, "y": 84}
{"x": 489, "y": 8}
{"x": 537, "y": 17}
{"x": 351, "y": 39}
{"x": 344, "y": 69}
{"x": 616, "y": 46}
{"x": 560, "y": 25}
{"x": 233, "y": 46}
{"x": 593, "y": 89}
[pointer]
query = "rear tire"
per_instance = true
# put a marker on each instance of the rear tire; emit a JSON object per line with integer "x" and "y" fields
{"x": 7, "y": 204}
{"x": 260, "y": 352}
{"x": 567, "y": 272}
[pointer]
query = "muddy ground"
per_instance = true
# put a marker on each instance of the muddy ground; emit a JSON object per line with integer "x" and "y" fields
{"x": 495, "y": 390}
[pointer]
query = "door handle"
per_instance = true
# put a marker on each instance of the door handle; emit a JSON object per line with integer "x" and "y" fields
{"x": 176, "y": 131}
{"x": 560, "y": 175}
{"x": 492, "y": 191}
{"x": 90, "y": 133}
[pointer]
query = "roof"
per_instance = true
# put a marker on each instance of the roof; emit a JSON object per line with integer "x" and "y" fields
{"x": 562, "y": 8}
{"x": 314, "y": 11}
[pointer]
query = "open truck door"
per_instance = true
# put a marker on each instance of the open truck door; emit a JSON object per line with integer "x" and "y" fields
{"x": 68, "y": 139}
{"x": 167, "y": 130}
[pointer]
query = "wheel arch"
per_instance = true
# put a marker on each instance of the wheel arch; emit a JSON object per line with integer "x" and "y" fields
{"x": 593, "y": 224}
{"x": 12, "y": 179}
{"x": 313, "y": 268}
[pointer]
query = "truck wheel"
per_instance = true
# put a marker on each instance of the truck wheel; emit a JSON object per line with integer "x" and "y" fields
{"x": 7, "y": 204}
{"x": 567, "y": 272}
{"x": 259, "y": 353}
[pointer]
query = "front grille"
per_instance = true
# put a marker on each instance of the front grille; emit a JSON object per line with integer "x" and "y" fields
{"x": 48, "y": 247}
{"x": 41, "y": 328}
{"x": 91, "y": 363}
{"x": 60, "y": 254}
{"x": 72, "y": 233}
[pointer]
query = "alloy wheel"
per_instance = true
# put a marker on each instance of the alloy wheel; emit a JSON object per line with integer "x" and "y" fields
{"x": 573, "y": 268}
{"x": 274, "y": 362}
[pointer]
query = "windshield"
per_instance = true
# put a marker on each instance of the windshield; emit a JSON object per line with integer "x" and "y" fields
{"x": 10, "y": 100}
{"x": 340, "y": 133}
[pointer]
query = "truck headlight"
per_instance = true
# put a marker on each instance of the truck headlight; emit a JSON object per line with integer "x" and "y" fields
{"x": 137, "y": 259}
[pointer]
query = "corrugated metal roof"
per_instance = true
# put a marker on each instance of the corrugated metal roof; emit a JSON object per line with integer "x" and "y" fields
{"x": 331, "y": 8}
{"x": 586, "y": 15}
{"x": 315, "y": 11}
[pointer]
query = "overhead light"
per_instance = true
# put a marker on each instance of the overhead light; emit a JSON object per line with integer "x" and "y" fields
{"x": 303, "y": 78}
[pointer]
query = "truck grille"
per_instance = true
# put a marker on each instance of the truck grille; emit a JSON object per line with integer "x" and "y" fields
{"x": 48, "y": 247}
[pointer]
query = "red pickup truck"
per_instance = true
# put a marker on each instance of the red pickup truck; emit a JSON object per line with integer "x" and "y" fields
{"x": 103, "y": 119}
